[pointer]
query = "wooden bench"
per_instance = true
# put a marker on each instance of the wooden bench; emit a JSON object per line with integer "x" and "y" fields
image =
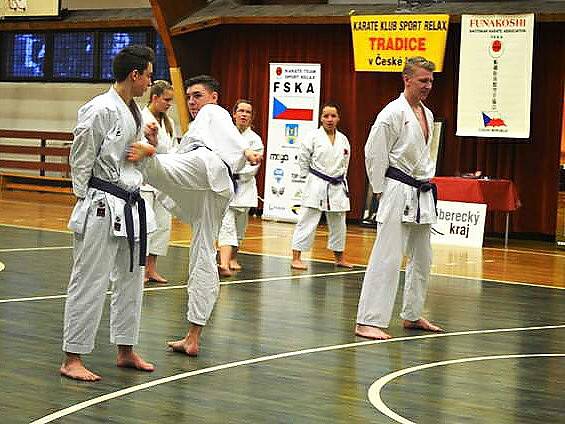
{"x": 11, "y": 175}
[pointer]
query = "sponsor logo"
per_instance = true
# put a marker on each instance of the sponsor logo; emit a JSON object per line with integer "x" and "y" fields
{"x": 280, "y": 157}
{"x": 296, "y": 178}
{"x": 277, "y": 191}
{"x": 278, "y": 173}
{"x": 291, "y": 133}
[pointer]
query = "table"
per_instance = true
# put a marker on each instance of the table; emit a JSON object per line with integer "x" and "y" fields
{"x": 498, "y": 195}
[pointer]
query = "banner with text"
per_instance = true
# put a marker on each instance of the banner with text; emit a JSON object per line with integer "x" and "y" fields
{"x": 381, "y": 43}
{"x": 294, "y": 100}
{"x": 495, "y": 76}
{"x": 458, "y": 223}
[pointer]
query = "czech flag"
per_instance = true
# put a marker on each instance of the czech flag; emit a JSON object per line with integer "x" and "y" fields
{"x": 492, "y": 122}
{"x": 280, "y": 111}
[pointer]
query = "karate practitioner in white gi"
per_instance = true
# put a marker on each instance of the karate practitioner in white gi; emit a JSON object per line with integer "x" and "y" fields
{"x": 324, "y": 160}
{"x": 398, "y": 148}
{"x": 160, "y": 101}
{"x": 107, "y": 126}
{"x": 197, "y": 179}
{"x": 235, "y": 220}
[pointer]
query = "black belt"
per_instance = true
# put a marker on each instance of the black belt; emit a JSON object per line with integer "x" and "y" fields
{"x": 421, "y": 186}
{"x": 332, "y": 181}
{"x": 131, "y": 198}
{"x": 233, "y": 177}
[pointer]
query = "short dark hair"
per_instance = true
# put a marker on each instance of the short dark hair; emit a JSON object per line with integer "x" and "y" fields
{"x": 237, "y": 103}
{"x": 131, "y": 58}
{"x": 335, "y": 105}
{"x": 207, "y": 81}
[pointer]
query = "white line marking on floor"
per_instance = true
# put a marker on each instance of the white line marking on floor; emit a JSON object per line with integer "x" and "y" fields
{"x": 28, "y": 227}
{"x": 183, "y": 286}
{"x": 109, "y": 396}
{"x": 374, "y": 393}
{"x": 31, "y": 249}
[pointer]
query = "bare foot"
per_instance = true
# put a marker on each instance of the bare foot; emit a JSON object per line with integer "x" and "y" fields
{"x": 298, "y": 264}
{"x": 343, "y": 264}
{"x": 133, "y": 360}
{"x": 184, "y": 346}
{"x": 423, "y": 324}
{"x": 156, "y": 278}
{"x": 224, "y": 271}
{"x": 370, "y": 332}
{"x": 74, "y": 368}
{"x": 235, "y": 265}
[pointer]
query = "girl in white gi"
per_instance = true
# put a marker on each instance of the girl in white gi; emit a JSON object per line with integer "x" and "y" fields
{"x": 324, "y": 159}
{"x": 197, "y": 177}
{"x": 235, "y": 220}
{"x": 399, "y": 166}
{"x": 160, "y": 101}
{"x": 107, "y": 231}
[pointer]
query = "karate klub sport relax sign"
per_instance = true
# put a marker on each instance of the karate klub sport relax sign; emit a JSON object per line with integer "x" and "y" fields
{"x": 381, "y": 43}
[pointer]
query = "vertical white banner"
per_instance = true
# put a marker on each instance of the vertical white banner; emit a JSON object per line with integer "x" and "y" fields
{"x": 294, "y": 101}
{"x": 495, "y": 76}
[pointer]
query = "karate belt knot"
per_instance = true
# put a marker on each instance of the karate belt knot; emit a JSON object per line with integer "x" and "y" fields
{"x": 332, "y": 180}
{"x": 131, "y": 198}
{"x": 419, "y": 185}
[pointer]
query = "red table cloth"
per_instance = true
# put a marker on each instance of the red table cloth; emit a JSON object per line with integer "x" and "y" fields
{"x": 498, "y": 195}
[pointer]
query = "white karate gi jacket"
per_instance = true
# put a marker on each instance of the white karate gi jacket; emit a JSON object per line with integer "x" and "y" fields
{"x": 316, "y": 151}
{"x": 246, "y": 194}
{"x": 105, "y": 128}
{"x": 396, "y": 139}
{"x": 222, "y": 145}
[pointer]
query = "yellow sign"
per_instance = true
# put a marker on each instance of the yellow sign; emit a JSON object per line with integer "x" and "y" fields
{"x": 381, "y": 43}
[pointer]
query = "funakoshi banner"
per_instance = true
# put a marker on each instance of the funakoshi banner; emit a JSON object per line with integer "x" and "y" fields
{"x": 495, "y": 76}
{"x": 294, "y": 100}
{"x": 381, "y": 43}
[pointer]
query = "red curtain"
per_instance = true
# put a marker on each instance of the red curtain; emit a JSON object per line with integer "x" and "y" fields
{"x": 240, "y": 57}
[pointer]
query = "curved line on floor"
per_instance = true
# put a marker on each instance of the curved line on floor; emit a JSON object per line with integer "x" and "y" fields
{"x": 109, "y": 396}
{"x": 374, "y": 392}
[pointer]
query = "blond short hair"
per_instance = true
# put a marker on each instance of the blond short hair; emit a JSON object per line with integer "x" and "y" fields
{"x": 417, "y": 62}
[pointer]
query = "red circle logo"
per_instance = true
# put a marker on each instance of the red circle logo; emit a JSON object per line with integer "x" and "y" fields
{"x": 496, "y": 46}
{"x": 279, "y": 71}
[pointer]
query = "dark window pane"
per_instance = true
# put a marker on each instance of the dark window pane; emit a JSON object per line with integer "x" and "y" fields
{"x": 112, "y": 43}
{"x": 28, "y": 56}
{"x": 73, "y": 55}
{"x": 161, "y": 65}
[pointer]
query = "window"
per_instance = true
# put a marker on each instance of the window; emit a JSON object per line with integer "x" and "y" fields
{"x": 27, "y": 56}
{"x": 73, "y": 55}
{"x": 112, "y": 43}
{"x": 161, "y": 68}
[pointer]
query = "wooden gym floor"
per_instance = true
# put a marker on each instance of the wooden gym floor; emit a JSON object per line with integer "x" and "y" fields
{"x": 280, "y": 346}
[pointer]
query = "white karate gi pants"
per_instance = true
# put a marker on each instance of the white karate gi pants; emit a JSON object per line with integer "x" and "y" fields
{"x": 158, "y": 240}
{"x": 233, "y": 227}
{"x": 395, "y": 239}
{"x": 203, "y": 278}
{"x": 305, "y": 230}
{"x": 101, "y": 261}
{"x": 187, "y": 178}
